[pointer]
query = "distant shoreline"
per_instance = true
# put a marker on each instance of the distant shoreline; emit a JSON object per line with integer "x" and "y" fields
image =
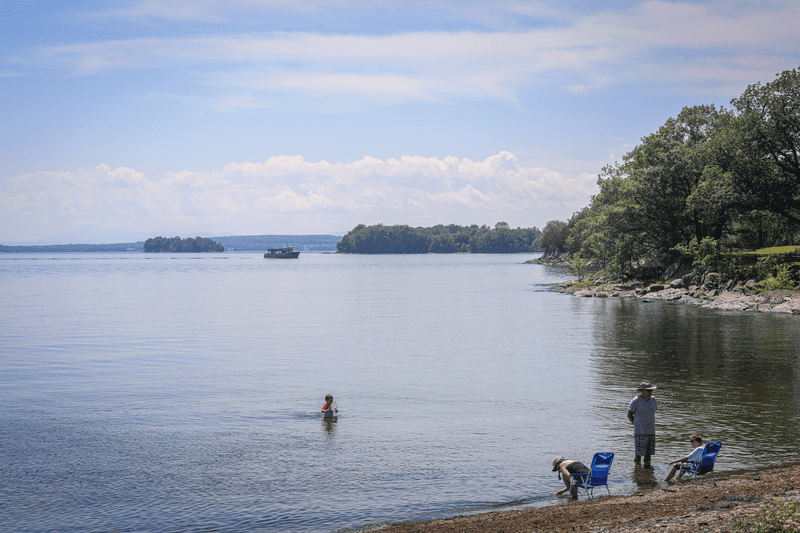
{"x": 232, "y": 243}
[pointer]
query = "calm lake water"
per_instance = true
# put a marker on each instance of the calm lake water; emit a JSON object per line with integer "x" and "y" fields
{"x": 176, "y": 393}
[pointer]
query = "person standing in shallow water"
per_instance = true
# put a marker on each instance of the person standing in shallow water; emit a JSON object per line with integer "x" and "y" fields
{"x": 642, "y": 414}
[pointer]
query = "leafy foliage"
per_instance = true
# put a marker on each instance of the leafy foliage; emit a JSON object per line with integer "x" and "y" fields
{"x": 709, "y": 182}
{"x": 705, "y": 254}
{"x": 554, "y": 237}
{"x": 176, "y": 244}
{"x": 380, "y": 239}
{"x": 782, "y": 517}
{"x": 579, "y": 266}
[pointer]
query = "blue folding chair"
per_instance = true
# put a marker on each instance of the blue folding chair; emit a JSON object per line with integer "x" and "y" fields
{"x": 597, "y": 476}
{"x": 705, "y": 464}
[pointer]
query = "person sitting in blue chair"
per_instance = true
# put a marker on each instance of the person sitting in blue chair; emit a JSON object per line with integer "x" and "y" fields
{"x": 565, "y": 469}
{"x": 697, "y": 454}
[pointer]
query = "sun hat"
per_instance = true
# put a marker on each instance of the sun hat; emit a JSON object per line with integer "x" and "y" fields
{"x": 558, "y": 459}
{"x": 645, "y": 385}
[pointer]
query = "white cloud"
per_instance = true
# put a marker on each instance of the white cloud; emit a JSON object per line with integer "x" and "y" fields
{"x": 290, "y": 194}
{"x": 670, "y": 44}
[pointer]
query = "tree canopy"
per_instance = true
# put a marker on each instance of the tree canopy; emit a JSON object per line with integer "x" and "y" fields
{"x": 729, "y": 178}
{"x": 176, "y": 244}
{"x": 402, "y": 239}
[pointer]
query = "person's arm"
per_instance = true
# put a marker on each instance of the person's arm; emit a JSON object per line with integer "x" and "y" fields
{"x": 681, "y": 460}
{"x": 630, "y": 416}
{"x": 565, "y": 475}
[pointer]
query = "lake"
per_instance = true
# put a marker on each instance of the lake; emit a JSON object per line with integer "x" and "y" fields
{"x": 177, "y": 393}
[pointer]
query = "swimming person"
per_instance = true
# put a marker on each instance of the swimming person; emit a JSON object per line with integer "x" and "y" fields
{"x": 330, "y": 407}
{"x": 642, "y": 414}
{"x": 565, "y": 470}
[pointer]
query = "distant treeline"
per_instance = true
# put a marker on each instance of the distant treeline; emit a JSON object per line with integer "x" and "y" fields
{"x": 259, "y": 243}
{"x": 238, "y": 243}
{"x": 178, "y": 245}
{"x": 402, "y": 239}
{"x": 75, "y": 248}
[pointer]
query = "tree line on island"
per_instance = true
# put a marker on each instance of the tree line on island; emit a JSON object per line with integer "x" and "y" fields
{"x": 238, "y": 243}
{"x": 402, "y": 239}
{"x": 176, "y": 244}
{"x": 709, "y": 188}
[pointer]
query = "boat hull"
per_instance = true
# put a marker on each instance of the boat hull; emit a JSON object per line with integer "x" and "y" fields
{"x": 282, "y": 255}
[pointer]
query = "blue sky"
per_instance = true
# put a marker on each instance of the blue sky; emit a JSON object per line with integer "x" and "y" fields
{"x": 250, "y": 117}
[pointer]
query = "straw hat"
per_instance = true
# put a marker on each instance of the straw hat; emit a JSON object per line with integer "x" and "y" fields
{"x": 646, "y": 386}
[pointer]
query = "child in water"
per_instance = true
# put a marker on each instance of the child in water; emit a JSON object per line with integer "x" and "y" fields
{"x": 330, "y": 408}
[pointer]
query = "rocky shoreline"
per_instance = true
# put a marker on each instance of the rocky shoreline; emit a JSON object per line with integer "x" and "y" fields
{"x": 708, "y": 290}
{"x": 706, "y": 505}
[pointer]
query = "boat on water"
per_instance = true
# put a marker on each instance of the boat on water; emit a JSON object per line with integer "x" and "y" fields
{"x": 287, "y": 252}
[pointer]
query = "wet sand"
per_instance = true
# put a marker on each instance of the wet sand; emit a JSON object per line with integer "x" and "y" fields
{"x": 703, "y": 505}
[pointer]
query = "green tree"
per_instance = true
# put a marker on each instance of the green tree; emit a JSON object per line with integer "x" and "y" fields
{"x": 769, "y": 145}
{"x": 554, "y": 237}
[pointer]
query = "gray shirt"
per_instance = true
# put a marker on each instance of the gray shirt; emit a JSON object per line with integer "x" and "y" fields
{"x": 644, "y": 415}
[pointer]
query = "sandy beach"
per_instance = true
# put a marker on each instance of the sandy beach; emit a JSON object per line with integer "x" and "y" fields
{"x": 704, "y": 505}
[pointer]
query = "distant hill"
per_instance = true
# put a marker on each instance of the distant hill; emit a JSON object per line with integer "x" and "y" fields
{"x": 259, "y": 243}
{"x": 232, "y": 243}
{"x": 75, "y": 248}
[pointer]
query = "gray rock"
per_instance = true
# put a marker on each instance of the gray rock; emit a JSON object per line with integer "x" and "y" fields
{"x": 711, "y": 280}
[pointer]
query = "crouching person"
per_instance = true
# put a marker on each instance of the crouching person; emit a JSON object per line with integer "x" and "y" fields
{"x": 565, "y": 469}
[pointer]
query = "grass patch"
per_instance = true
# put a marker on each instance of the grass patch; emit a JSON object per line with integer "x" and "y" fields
{"x": 774, "y": 250}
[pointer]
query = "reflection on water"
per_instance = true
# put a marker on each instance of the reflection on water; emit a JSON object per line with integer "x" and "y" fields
{"x": 729, "y": 376}
{"x": 644, "y": 478}
{"x": 182, "y": 393}
{"x": 329, "y": 424}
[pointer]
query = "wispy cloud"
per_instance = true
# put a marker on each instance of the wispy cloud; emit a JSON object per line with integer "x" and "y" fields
{"x": 664, "y": 43}
{"x": 289, "y": 193}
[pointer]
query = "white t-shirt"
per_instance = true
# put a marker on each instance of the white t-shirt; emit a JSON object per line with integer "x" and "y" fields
{"x": 697, "y": 454}
{"x": 644, "y": 415}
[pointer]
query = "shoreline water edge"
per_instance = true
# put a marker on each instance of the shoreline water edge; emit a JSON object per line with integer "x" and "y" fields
{"x": 735, "y": 501}
{"x": 708, "y": 291}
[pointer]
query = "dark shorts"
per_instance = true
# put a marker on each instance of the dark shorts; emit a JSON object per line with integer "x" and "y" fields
{"x": 645, "y": 444}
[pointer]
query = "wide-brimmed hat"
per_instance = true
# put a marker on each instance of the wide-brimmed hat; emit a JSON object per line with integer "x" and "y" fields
{"x": 558, "y": 459}
{"x": 645, "y": 385}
